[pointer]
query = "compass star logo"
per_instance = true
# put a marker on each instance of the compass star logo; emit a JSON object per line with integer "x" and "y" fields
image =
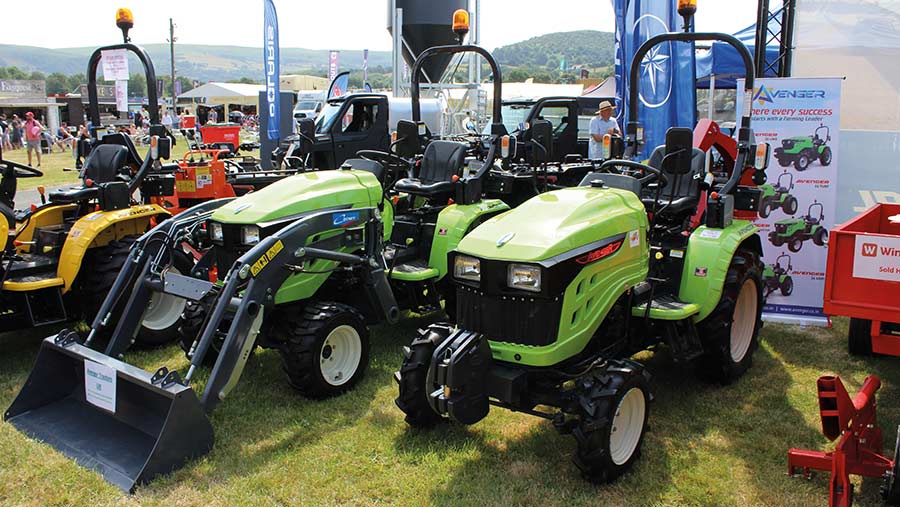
{"x": 656, "y": 66}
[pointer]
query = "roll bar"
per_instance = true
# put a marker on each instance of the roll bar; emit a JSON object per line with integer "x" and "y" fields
{"x": 744, "y": 132}
{"x": 149, "y": 73}
{"x": 465, "y": 48}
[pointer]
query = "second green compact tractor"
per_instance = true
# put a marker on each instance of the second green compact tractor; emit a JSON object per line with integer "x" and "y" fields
{"x": 555, "y": 296}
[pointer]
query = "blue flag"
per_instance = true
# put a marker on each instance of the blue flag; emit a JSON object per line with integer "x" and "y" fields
{"x": 271, "y": 65}
{"x": 667, "y": 96}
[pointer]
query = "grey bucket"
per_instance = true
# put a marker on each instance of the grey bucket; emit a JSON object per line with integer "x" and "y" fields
{"x": 153, "y": 431}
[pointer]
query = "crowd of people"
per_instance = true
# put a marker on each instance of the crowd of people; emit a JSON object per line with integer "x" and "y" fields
{"x": 30, "y": 134}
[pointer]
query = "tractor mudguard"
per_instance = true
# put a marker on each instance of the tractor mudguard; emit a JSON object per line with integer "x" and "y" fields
{"x": 454, "y": 222}
{"x": 706, "y": 262}
{"x": 50, "y": 214}
{"x": 98, "y": 229}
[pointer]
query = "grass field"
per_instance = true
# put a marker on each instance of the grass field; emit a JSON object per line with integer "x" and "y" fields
{"x": 52, "y": 166}
{"x": 706, "y": 445}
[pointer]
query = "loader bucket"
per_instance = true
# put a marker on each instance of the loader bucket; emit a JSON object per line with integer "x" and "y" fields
{"x": 154, "y": 428}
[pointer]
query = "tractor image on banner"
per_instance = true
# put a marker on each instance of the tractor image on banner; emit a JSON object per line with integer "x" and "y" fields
{"x": 800, "y": 119}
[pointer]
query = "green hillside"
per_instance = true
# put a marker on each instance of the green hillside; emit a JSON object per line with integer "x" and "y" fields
{"x": 587, "y": 48}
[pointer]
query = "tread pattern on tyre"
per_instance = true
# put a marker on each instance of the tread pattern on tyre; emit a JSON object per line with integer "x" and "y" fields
{"x": 97, "y": 276}
{"x": 716, "y": 364}
{"x": 412, "y": 399}
{"x": 299, "y": 349}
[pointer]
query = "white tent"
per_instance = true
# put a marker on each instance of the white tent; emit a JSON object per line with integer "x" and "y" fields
{"x": 225, "y": 93}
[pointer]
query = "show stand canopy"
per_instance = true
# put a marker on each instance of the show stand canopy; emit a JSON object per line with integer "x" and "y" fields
{"x": 721, "y": 64}
{"x": 224, "y": 93}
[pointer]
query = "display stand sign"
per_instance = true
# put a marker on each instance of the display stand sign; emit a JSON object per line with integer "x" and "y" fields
{"x": 800, "y": 119}
{"x": 100, "y": 385}
{"x": 115, "y": 64}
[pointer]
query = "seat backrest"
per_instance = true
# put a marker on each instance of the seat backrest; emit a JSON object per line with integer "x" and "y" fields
{"x": 688, "y": 184}
{"x": 442, "y": 160}
{"x": 103, "y": 162}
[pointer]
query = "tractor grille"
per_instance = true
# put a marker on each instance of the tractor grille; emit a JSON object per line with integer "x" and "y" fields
{"x": 521, "y": 319}
{"x": 780, "y": 227}
{"x": 787, "y": 143}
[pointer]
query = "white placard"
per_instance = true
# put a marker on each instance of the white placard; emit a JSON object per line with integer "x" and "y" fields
{"x": 876, "y": 258}
{"x": 115, "y": 64}
{"x": 100, "y": 385}
{"x": 122, "y": 96}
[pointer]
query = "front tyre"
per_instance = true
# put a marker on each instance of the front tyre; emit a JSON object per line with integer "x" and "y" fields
{"x": 730, "y": 334}
{"x": 163, "y": 315}
{"x": 764, "y": 207}
{"x": 801, "y": 162}
{"x": 413, "y": 374}
{"x": 795, "y": 244}
{"x": 612, "y": 420}
{"x": 325, "y": 349}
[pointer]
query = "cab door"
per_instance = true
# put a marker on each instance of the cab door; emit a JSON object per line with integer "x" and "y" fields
{"x": 563, "y": 116}
{"x": 363, "y": 126}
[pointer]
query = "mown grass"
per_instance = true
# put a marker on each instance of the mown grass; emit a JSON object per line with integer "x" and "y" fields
{"x": 52, "y": 165}
{"x": 707, "y": 445}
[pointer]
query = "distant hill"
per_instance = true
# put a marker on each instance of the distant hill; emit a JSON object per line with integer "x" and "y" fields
{"x": 207, "y": 63}
{"x": 589, "y": 48}
{"x": 533, "y": 58}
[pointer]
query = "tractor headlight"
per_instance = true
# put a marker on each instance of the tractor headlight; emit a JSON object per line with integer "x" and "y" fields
{"x": 215, "y": 232}
{"x": 249, "y": 235}
{"x": 525, "y": 277}
{"x": 467, "y": 268}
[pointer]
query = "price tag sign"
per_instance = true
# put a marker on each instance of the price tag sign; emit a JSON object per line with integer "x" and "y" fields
{"x": 100, "y": 385}
{"x": 115, "y": 64}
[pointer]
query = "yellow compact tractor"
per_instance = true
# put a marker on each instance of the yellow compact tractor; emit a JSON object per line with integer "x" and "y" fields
{"x": 59, "y": 259}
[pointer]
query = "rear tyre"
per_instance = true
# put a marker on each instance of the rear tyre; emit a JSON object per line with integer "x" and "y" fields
{"x": 764, "y": 207}
{"x": 325, "y": 349}
{"x": 413, "y": 398}
{"x": 96, "y": 278}
{"x": 730, "y": 334}
{"x": 790, "y": 205}
{"x": 825, "y": 156}
{"x": 801, "y": 162}
{"x": 613, "y": 409}
{"x": 820, "y": 237}
{"x": 787, "y": 286}
{"x": 163, "y": 315}
{"x": 890, "y": 490}
{"x": 859, "y": 337}
{"x": 795, "y": 245}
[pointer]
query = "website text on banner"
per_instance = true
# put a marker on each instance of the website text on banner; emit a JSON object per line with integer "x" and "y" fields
{"x": 800, "y": 119}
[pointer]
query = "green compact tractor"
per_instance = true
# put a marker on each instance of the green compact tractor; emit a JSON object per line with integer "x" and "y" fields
{"x": 555, "y": 296}
{"x": 794, "y": 231}
{"x": 778, "y": 196}
{"x": 301, "y": 266}
{"x": 777, "y": 277}
{"x": 803, "y": 150}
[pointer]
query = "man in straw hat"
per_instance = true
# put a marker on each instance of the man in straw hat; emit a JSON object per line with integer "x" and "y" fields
{"x": 601, "y": 125}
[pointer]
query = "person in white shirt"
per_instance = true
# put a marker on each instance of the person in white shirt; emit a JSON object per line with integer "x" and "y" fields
{"x": 601, "y": 125}
{"x": 167, "y": 120}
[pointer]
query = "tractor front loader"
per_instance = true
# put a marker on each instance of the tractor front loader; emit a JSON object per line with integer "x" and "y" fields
{"x": 157, "y": 421}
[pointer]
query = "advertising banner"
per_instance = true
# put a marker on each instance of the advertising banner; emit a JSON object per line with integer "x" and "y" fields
{"x": 332, "y": 65}
{"x": 800, "y": 119}
{"x": 115, "y": 64}
{"x": 666, "y": 87}
{"x": 122, "y": 96}
{"x": 271, "y": 64}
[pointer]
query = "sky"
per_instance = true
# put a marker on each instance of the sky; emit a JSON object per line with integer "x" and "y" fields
{"x": 313, "y": 24}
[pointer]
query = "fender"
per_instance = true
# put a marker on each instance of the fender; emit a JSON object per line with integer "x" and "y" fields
{"x": 98, "y": 229}
{"x": 454, "y": 222}
{"x": 47, "y": 215}
{"x": 706, "y": 262}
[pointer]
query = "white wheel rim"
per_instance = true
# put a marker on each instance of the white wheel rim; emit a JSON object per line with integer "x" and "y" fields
{"x": 340, "y": 355}
{"x": 164, "y": 310}
{"x": 744, "y": 323}
{"x": 627, "y": 426}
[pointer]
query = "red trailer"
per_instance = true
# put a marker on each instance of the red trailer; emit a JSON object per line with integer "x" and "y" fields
{"x": 862, "y": 280}
{"x": 222, "y": 135}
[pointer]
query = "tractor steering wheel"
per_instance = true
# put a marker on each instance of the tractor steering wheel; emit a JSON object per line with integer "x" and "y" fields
{"x": 22, "y": 170}
{"x": 655, "y": 174}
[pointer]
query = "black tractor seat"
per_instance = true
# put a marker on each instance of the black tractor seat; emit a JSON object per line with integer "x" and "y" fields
{"x": 682, "y": 190}
{"x": 442, "y": 161}
{"x": 101, "y": 166}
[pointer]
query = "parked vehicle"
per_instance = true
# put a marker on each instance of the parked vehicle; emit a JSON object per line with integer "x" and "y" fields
{"x": 795, "y": 231}
{"x": 804, "y": 150}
